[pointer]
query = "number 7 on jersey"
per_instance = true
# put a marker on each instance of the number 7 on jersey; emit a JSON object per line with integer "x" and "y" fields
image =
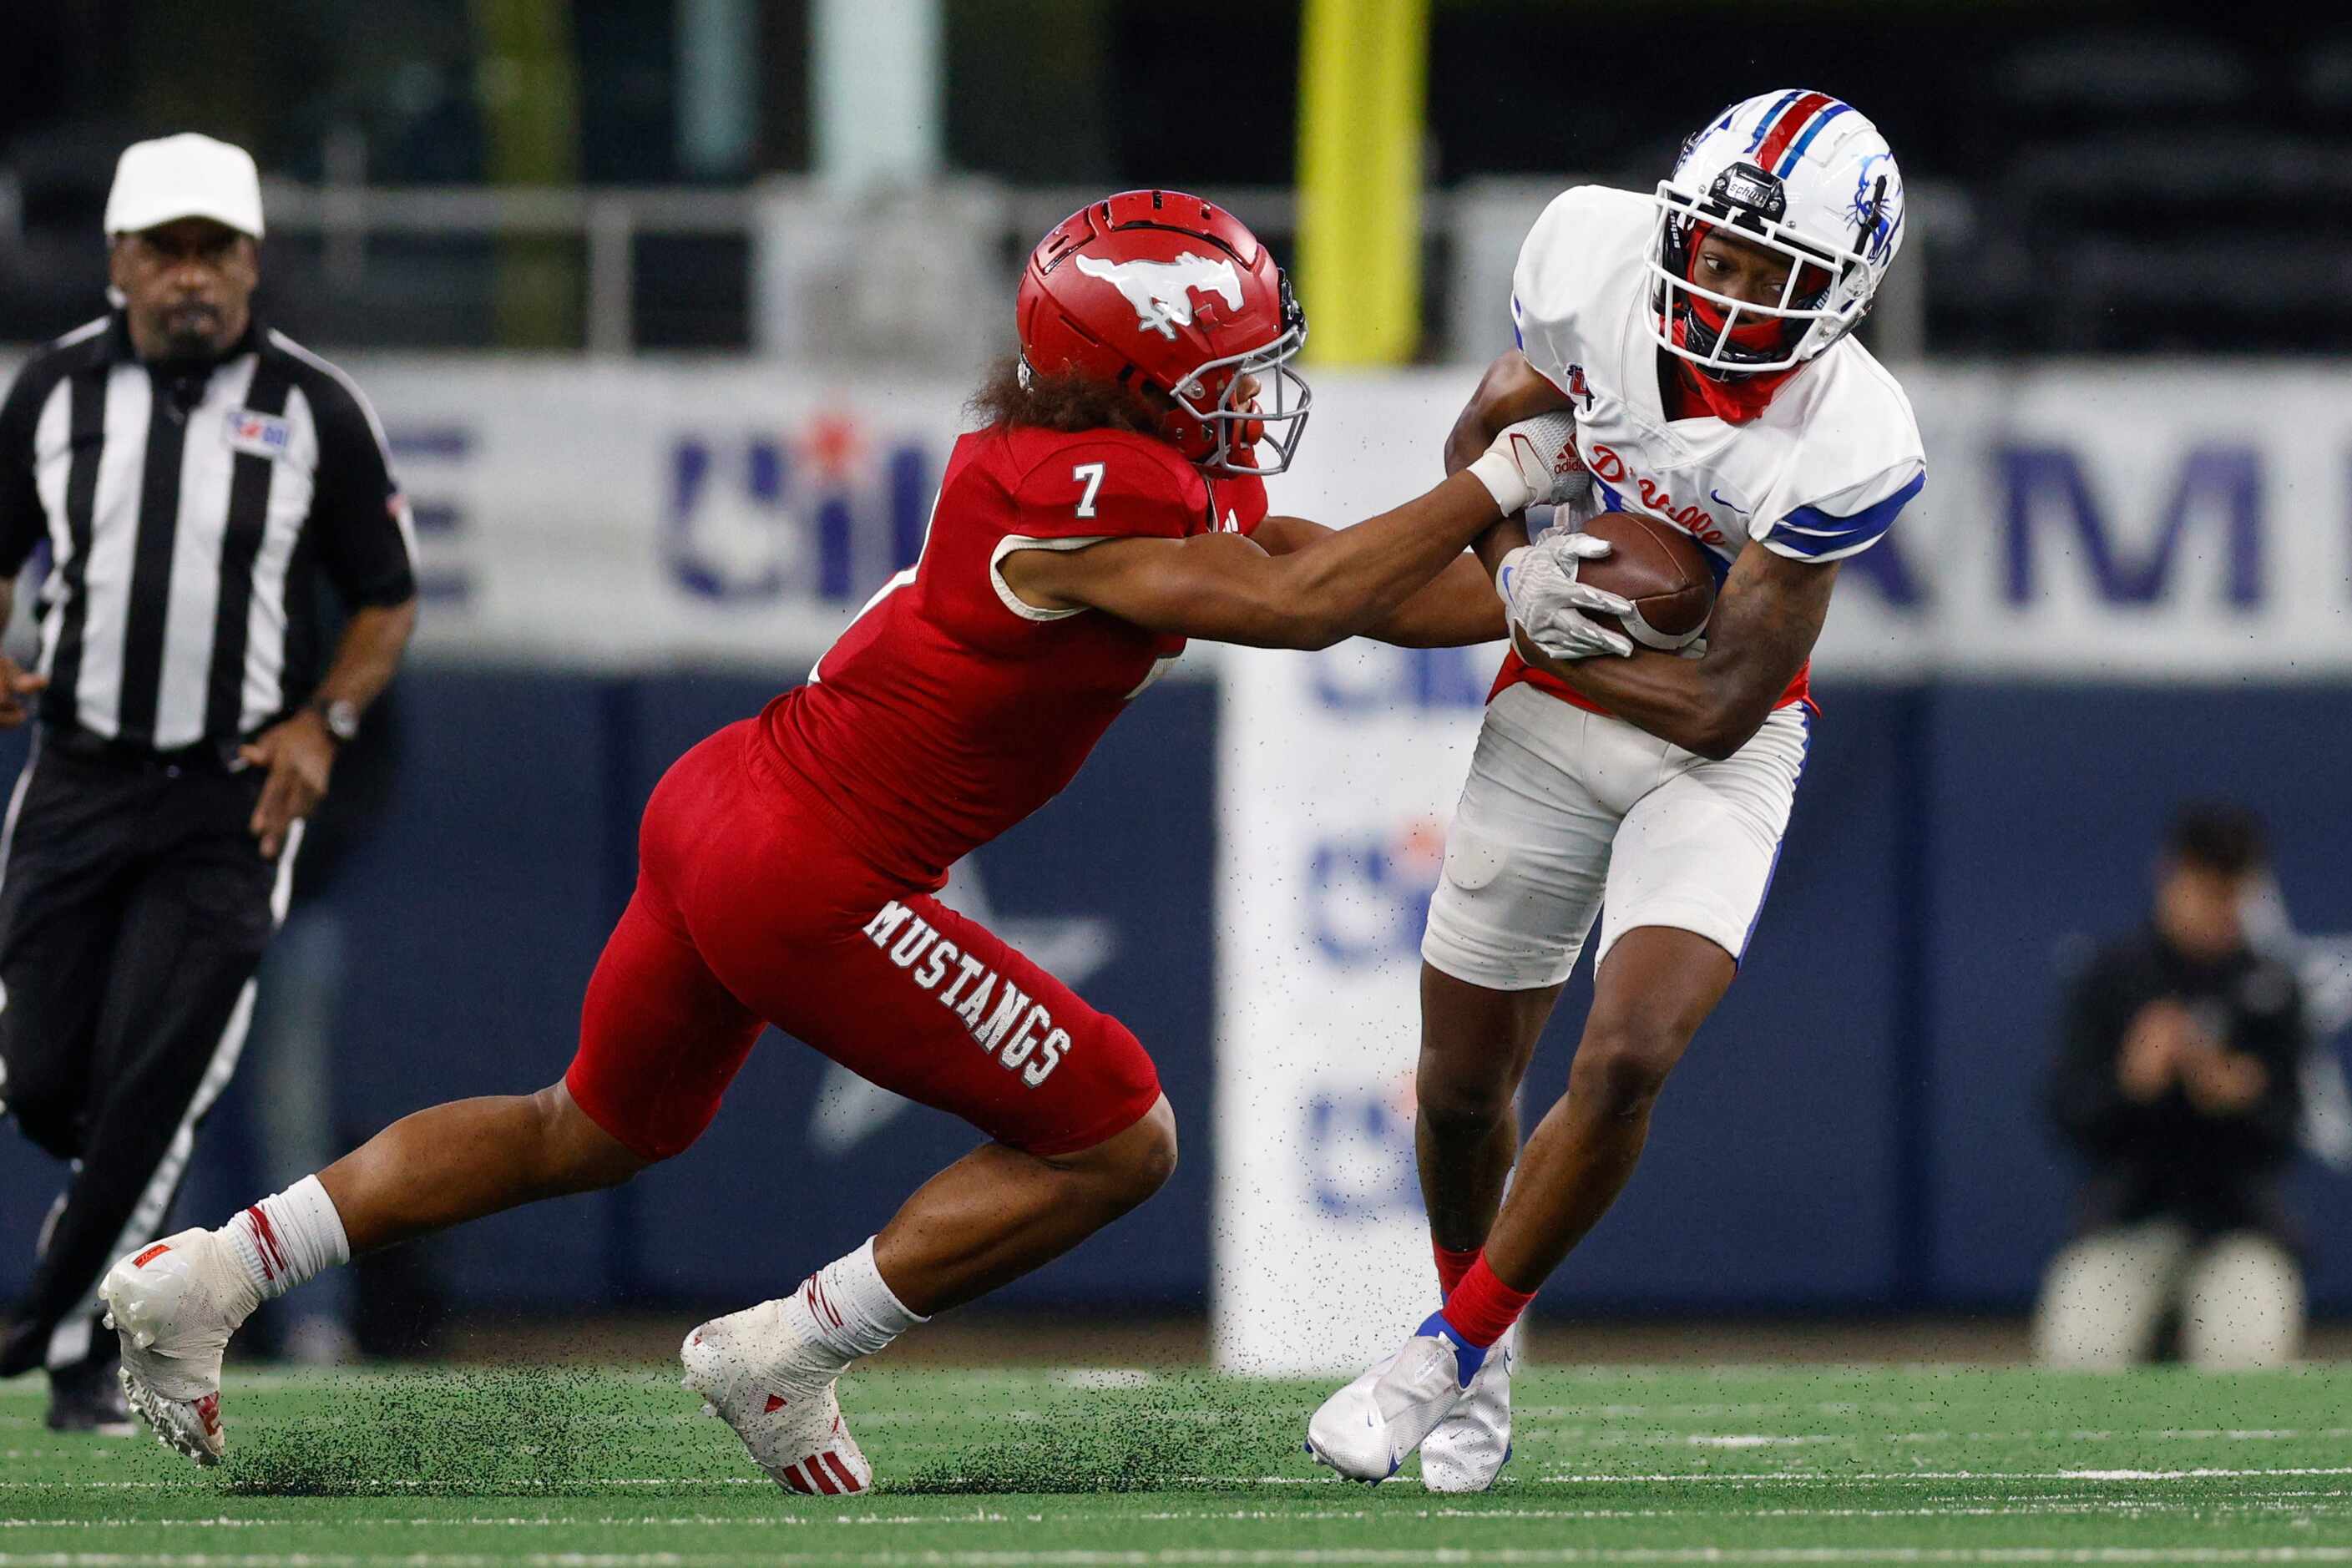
{"x": 1092, "y": 473}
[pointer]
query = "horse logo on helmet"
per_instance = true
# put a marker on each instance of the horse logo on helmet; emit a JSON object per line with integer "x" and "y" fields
{"x": 1161, "y": 291}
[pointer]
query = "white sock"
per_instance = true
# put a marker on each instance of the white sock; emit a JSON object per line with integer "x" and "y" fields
{"x": 285, "y": 1239}
{"x": 847, "y": 1307}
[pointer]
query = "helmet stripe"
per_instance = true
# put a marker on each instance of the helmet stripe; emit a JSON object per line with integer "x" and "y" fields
{"x": 1764, "y": 125}
{"x": 1797, "y": 150}
{"x": 1784, "y": 130}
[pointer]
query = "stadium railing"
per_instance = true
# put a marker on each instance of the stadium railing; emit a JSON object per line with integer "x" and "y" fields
{"x": 740, "y": 298}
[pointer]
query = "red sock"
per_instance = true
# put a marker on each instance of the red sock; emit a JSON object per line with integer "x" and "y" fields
{"x": 1481, "y": 1308}
{"x": 1451, "y": 1267}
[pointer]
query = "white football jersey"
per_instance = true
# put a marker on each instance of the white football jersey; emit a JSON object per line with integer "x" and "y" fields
{"x": 1818, "y": 475}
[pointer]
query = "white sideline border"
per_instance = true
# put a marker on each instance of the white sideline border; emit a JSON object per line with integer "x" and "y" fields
{"x": 1718, "y": 1478}
{"x": 1307, "y": 1557}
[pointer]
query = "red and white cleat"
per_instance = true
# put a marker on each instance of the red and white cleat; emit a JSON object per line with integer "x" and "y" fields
{"x": 175, "y": 1303}
{"x": 777, "y": 1390}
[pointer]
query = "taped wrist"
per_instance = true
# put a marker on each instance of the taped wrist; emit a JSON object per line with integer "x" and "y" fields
{"x": 1503, "y": 481}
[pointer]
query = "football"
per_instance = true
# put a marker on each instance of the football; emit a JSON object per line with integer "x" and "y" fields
{"x": 1662, "y": 569}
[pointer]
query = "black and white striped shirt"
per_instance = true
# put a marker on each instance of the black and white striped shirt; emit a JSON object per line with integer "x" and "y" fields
{"x": 190, "y": 512}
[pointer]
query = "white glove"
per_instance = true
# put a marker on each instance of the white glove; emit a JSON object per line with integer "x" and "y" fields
{"x": 1534, "y": 463}
{"x": 1544, "y": 600}
{"x": 1568, "y": 515}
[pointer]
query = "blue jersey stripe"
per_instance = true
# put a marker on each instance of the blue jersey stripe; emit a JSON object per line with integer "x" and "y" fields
{"x": 1812, "y": 531}
{"x": 1813, "y": 547}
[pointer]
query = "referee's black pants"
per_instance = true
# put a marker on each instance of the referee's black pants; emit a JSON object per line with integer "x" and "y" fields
{"x": 134, "y": 906}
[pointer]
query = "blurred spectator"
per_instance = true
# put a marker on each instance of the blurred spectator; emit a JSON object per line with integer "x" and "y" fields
{"x": 2179, "y": 1080}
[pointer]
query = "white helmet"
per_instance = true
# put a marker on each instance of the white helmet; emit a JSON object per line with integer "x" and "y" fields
{"x": 1797, "y": 173}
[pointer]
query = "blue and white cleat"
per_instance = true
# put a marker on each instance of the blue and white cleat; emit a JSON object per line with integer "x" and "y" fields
{"x": 1365, "y": 1430}
{"x": 1471, "y": 1446}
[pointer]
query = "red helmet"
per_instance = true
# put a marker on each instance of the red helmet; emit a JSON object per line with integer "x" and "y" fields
{"x": 1161, "y": 289}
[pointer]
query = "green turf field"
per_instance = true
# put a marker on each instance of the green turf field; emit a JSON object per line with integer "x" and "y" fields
{"x": 978, "y": 1468}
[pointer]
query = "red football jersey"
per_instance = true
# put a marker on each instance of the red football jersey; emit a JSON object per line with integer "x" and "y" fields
{"x": 949, "y": 709}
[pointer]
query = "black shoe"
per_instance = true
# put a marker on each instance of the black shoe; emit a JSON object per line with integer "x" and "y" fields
{"x": 88, "y": 1397}
{"x": 21, "y": 1348}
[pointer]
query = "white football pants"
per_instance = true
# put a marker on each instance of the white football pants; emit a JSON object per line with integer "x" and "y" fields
{"x": 1569, "y": 813}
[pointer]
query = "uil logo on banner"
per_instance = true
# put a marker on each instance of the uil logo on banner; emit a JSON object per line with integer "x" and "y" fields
{"x": 1161, "y": 291}
{"x": 821, "y": 511}
{"x": 1371, "y": 891}
{"x": 1359, "y": 1151}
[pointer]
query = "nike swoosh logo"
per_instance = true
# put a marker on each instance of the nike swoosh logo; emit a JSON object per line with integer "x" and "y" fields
{"x": 1717, "y": 497}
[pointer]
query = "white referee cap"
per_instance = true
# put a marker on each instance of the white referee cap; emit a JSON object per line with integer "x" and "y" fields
{"x": 187, "y": 175}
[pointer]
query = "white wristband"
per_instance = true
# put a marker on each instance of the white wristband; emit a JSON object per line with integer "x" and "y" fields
{"x": 1503, "y": 481}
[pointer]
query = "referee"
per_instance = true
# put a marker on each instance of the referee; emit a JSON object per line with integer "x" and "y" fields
{"x": 194, "y": 474}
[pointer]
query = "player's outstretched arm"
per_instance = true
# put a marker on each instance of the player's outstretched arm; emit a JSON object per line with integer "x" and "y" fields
{"x": 1456, "y": 608}
{"x": 1511, "y": 390}
{"x": 1225, "y": 588}
{"x": 1766, "y": 621}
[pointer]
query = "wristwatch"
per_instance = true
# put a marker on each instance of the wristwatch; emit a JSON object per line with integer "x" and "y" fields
{"x": 342, "y": 717}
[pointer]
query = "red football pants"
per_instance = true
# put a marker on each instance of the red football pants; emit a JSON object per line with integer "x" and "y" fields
{"x": 749, "y": 910}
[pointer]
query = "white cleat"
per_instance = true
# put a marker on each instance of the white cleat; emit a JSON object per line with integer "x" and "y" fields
{"x": 1470, "y": 1446}
{"x": 765, "y": 1381}
{"x": 1365, "y": 1430}
{"x": 175, "y": 1303}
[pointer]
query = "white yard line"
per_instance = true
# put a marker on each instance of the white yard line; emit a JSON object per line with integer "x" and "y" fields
{"x": 1562, "y": 1421}
{"x": 1608, "y": 1437}
{"x": 1984, "y": 1507}
{"x": 1214, "y": 1558}
{"x": 1720, "y": 1478}
{"x": 1817, "y": 1478}
{"x": 225, "y": 1522}
{"x": 405, "y": 1485}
